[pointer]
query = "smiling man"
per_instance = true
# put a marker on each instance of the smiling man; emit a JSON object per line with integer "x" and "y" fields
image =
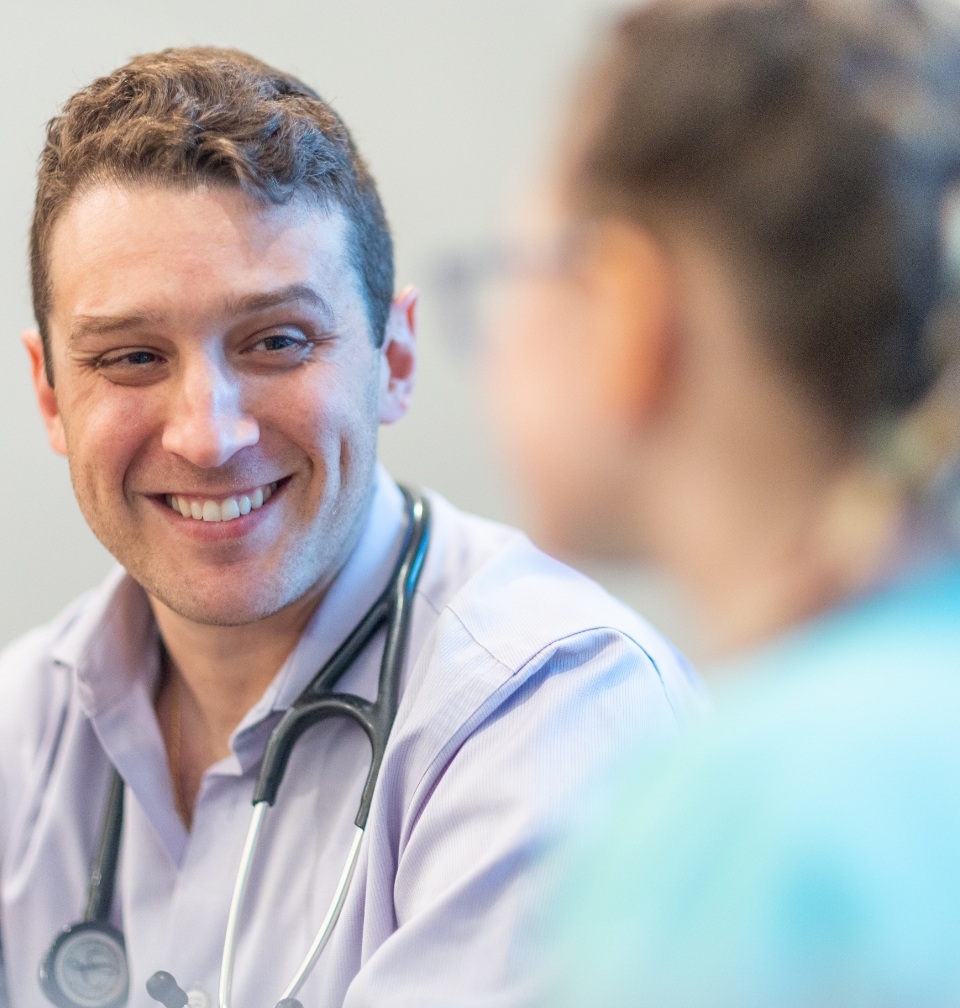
{"x": 217, "y": 345}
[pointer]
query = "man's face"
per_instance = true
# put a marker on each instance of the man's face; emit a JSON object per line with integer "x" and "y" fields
{"x": 213, "y": 357}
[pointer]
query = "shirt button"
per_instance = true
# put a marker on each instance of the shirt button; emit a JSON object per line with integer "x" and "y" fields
{"x": 197, "y": 999}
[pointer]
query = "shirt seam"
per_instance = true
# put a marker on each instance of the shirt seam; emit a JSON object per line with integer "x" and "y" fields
{"x": 582, "y": 631}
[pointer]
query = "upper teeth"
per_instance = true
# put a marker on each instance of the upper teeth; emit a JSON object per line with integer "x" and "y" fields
{"x": 223, "y": 510}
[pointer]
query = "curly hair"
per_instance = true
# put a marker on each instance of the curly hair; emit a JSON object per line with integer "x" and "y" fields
{"x": 187, "y": 117}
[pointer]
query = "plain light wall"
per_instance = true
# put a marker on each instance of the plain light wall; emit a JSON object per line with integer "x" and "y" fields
{"x": 451, "y": 101}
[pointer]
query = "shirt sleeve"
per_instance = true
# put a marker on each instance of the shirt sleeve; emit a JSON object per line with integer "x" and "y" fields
{"x": 476, "y": 861}
{"x": 4, "y": 997}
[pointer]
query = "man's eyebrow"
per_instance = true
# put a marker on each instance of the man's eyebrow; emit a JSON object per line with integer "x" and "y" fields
{"x": 298, "y": 292}
{"x": 105, "y": 325}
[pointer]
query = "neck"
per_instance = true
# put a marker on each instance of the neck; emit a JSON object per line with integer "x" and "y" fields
{"x": 768, "y": 511}
{"x": 226, "y": 669}
{"x": 765, "y": 507}
{"x": 212, "y": 676}
{"x": 787, "y": 550}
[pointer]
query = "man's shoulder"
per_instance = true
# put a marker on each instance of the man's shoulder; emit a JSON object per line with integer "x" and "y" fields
{"x": 495, "y": 593}
{"x": 32, "y": 680}
{"x": 34, "y": 695}
{"x": 515, "y": 599}
{"x": 522, "y": 654}
{"x": 31, "y": 651}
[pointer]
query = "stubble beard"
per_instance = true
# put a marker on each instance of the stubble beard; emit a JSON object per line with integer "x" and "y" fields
{"x": 307, "y": 565}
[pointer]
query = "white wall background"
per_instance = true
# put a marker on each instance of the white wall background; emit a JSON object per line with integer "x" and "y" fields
{"x": 451, "y": 101}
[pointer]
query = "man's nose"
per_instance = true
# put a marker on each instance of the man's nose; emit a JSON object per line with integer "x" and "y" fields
{"x": 208, "y": 423}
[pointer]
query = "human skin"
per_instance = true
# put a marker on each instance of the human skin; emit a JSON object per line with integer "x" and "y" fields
{"x": 645, "y": 419}
{"x": 561, "y": 394}
{"x": 204, "y": 346}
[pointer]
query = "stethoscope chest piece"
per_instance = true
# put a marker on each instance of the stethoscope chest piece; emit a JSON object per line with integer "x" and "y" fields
{"x": 86, "y": 967}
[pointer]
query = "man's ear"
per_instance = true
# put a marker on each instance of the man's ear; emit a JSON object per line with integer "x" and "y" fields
{"x": 633, "y": 323}
{"x": 46, "y": 397}
{"x": 398, "y": 357}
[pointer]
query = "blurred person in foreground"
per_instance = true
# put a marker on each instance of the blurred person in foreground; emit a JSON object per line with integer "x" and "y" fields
{"x": 730, "y": 349}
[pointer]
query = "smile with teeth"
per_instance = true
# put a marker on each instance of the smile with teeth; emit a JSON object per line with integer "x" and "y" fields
{"x": 221, "y": 510}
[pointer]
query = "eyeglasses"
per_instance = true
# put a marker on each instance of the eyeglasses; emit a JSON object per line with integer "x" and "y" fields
{"x": 469, "y": 284}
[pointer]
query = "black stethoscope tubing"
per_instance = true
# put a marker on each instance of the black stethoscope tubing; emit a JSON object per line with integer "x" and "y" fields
{"x": 319, "y": 700}
{"x": 316, "y": 703}
{"x": 103, "y": 877}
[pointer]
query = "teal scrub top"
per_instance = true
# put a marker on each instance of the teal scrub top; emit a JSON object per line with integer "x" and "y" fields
{"x": 801, "y": 849}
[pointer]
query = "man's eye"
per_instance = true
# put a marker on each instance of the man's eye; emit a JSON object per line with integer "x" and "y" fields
{"x": 130, "y": 359}
{"x": 136, "y": 366}
{"x": 281, "y": 341}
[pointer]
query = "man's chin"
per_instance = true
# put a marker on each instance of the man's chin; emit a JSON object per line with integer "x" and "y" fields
{"x": 225, "y": 606}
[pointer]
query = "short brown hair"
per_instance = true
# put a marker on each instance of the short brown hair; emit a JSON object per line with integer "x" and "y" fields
{"x": 821, "y": 139}
{"x": 184, "y": 117}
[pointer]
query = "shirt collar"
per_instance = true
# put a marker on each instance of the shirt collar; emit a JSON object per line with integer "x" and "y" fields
{"x": 112, "y": 645}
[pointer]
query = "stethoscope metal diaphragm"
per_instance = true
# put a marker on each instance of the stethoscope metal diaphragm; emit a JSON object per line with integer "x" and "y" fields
{"x": 86, "y": 967}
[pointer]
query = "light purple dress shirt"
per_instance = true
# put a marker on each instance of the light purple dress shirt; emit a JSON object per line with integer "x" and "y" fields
{"x": 523, "y": 678}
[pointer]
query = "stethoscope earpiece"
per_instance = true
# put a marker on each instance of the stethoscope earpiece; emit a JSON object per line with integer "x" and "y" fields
{"x": 86, "y": 967}
{"x": 163, "y": 988}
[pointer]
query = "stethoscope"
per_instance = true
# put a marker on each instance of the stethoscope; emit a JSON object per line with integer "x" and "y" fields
{"x": 86, "y": 966}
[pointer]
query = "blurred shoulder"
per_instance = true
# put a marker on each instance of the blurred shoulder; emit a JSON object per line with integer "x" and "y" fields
{"x": 809, "y": 827}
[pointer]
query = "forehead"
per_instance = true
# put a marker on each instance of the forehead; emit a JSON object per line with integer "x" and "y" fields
{"x": 191, "y": 250}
